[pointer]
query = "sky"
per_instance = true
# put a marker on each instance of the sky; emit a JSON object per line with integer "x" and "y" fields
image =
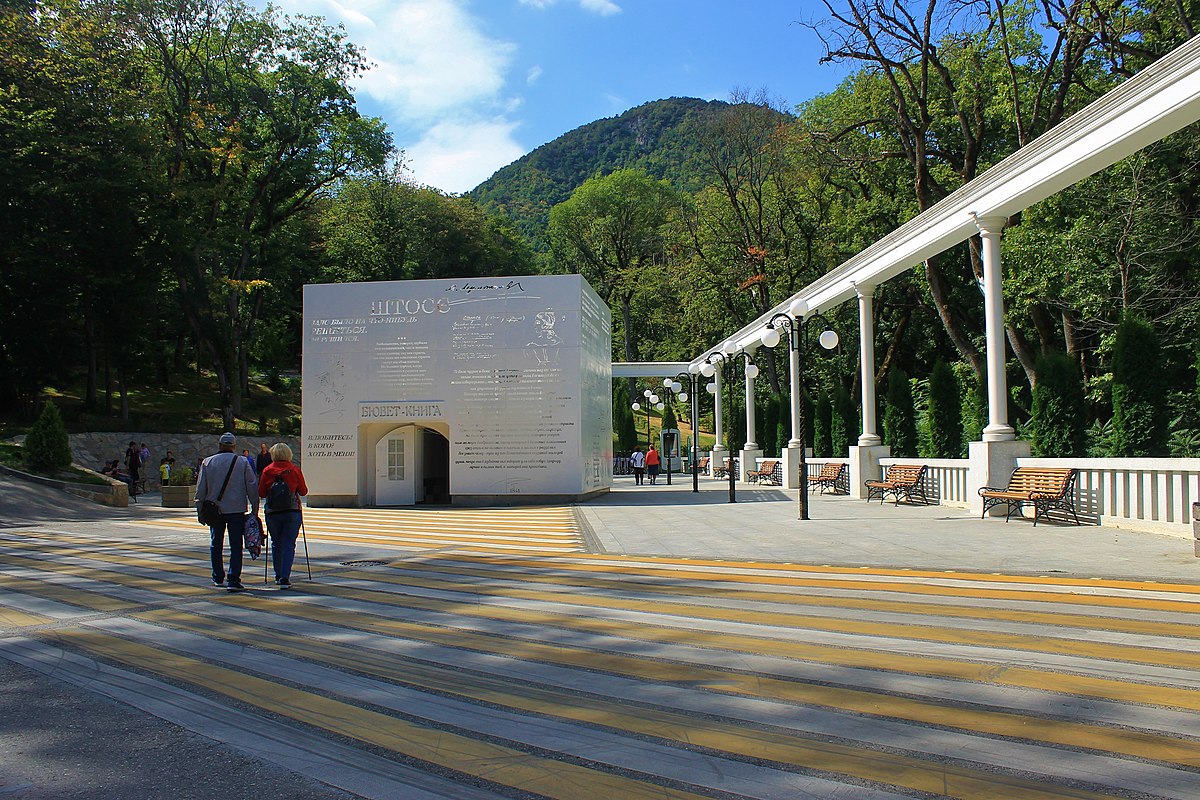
{"x": 469, "y": 86}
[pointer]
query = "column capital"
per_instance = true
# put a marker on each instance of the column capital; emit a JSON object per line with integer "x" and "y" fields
{"x": 864, "y": 292}
{"x": 991, "y": 225}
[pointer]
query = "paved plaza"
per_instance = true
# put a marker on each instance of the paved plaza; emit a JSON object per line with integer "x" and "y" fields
{"x": 651, "y": 643}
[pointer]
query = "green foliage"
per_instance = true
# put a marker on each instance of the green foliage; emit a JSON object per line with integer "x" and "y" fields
{"x": 974, "y": 413}
{"x": 623, "y": 423}
{"x": 899, "y": 415}
{"x": 47, "y": 447}
{"x": 844, "y": 422}
{"x": 1138, "y": 393}
{"x": 823, "y": 427}
{"x": 943, "y": 413}
{"x": 183, "y": 476}
{"x": 668, "y": 417}
{"x": 1059, "y": 424}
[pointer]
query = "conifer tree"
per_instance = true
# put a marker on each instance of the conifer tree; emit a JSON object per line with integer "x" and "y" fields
{"x": 844, "y": 422}
{"x": 823, "y": 427}
{"x": 47, "y": 447}
{"x": 1138, "y": 392}
{"x": 1059, "y": 427}
{"x": 899, "y": 416}
{"x": 944, "y": 412}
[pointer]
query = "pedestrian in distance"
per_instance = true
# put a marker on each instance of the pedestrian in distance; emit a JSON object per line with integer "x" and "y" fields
{"x": 228, "y": 480}
{"x": 637, "y": 460}
{"x": 282, "y": 485}
{"x": 263, "y": 459}
{"x": 133, "y": 466}
{"x": 251, "y": 461}
{"x": 652, "y": 464}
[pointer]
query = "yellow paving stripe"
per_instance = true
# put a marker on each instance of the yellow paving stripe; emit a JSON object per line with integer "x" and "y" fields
{"x": 928, "y": 633}
{"x": 63, "y": 594}
{"x": 109, "y": 576}
{"x": 764, "y": 686}
{"x": 635, "y": 568}
{"x": 17, "y": 618}
{"x": 990, "y": 577}
{"x": 496, "y": 763}
{"x": 481, "y": 531}
{"x": 796, "y": 750}
{"x": 1064, "y": 619}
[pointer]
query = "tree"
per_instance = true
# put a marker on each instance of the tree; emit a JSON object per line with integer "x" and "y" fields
{"x": 844, "y": 425}
{"x": 899, "y": 415}
{"x": 257, "y": 120}
{"x": 1059, "y": 428}
{"x": 1138, "y": 391}
{"x": 611, "y": 231}
{"x": 47, "y": 447}
{"x": 823, "y": 427}
{"x": 623, "y": 422}
{"x": 944, "y": 412}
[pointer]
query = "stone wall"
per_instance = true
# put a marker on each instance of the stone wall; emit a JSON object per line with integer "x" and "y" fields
{"x": 91, "y": 450}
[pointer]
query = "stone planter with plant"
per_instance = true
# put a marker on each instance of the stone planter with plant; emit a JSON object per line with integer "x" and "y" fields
{"x": 180, "y": 492}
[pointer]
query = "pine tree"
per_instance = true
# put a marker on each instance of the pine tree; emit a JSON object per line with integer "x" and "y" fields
{"x": 1138, "y": 392}
{"x": 844, "y": 422}
{"x": 623, "y": 422}
{"x": 47, "y": 447}
{"x": 944, "y": 412}
{"x": 899, "y": 416}
{"x": 1059, "y": 428}
{"x": 823, "y": 427}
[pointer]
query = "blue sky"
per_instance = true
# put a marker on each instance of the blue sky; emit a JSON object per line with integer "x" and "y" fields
{"x": 468, "y": 86}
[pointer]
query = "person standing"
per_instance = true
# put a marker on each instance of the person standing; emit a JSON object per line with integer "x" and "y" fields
{"x": 227, "y": 479}
{"x": 133, "y": 466}
{"x": 652, "y": 464}
{"x": 282, "y": 485}
{"x": 250, "y": 460}
{"x": 638, "y": 461}
{"x": 263, "y": 459}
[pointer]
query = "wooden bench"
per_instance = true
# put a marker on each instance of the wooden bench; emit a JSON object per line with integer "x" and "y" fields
{"x": 765, "y": 473}
{"x": 721, "y": 471}
{"x": 1042, "y": 487}
{"x": 832, "y": 476}
{"x": 901, "y": 479}
{"x": 702, "y": 465}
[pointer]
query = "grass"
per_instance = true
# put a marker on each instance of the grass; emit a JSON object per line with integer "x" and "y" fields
{"x": 190, "y": 405}
{"x": 13, "y": 456}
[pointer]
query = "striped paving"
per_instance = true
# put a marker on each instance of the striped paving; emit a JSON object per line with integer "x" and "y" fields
{"x": 568, "y": 675}
{"x": 538, "y": 529}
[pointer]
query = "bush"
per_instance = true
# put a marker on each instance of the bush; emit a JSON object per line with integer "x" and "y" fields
{"x": 974, "y": 413}
{"x": 844, "y": 425}
{"x": 899, "y": 415}
{"x": 182, "y": 476}
{"x": 47, "y": 447}
{"x": 944, "y": 413}
{"x": 288, "y": 426}
{"x": 1138, "y": 393}
{"x": 1059, "y": 425}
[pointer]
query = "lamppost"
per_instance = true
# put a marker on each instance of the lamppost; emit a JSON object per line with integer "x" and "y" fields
{"x": 795, "y": 322}
{"x": 722, "y": 359}
{"x": 672, "y": 388}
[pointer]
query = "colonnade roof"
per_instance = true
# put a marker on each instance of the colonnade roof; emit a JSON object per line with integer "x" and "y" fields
{"x": 648, "y": 369}
{"x": 1161, "y": 99}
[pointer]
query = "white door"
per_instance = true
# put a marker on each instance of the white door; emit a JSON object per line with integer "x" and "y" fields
{"x": 395, "y": 469}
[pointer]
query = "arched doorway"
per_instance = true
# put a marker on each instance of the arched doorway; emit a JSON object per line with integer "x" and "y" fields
{"x": 412, "y": 465}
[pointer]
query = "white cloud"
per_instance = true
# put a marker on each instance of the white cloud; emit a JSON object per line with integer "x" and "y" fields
{"x": 533, "y": 75}
{"x": 602, "y": 7}
{"x": 458, "y": 156}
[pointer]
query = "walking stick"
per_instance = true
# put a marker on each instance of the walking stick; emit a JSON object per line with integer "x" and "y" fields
{"x": 266, "y": 554}
{"x": 304, "y": 534}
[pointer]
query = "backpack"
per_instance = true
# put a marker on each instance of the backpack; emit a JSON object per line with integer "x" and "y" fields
{"x": 280, "y": 497}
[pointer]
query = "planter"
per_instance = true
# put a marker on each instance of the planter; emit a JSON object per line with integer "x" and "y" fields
{"x": 178, "y": 496}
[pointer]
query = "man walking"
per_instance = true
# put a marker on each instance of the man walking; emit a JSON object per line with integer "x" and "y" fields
{"x": 228, "y": 480}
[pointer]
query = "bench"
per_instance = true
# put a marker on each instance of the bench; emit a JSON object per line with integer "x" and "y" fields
{"x": 832, "y": 476}
{"x": 765, "y": 473}
{"x": 901, "y": 479}
{"x": 702, "y": 465}
{"x": 1044, "y": 488}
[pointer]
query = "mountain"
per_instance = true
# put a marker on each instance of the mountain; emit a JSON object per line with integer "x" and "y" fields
{"x": 661, "y": 137}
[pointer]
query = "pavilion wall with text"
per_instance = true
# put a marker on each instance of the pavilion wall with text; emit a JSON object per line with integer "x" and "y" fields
{"x": 470, "y": 391}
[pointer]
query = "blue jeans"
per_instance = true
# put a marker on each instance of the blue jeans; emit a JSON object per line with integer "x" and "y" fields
{"x": 237, "y": 533}
{"x": 284, "y": 527}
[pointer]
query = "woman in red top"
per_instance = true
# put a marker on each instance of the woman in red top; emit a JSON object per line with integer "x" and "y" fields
{"x": 652, "y": 463}
{"x": 282, "y": 484}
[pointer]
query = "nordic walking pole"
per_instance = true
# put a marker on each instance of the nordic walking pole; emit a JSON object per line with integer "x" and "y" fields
{"x": 266, "y": 554}
{"x": 304, "y": 534}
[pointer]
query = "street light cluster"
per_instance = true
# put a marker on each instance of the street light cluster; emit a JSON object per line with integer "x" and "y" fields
{"x": 793, "y": 322}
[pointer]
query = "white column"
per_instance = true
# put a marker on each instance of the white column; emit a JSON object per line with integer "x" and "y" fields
{"x": 718, "y": 430}
{"x": 866, "y": 360}
{"x": 751, "y": 444}
{"x": 794, "y": 372}
{"x": 998, "y": 429}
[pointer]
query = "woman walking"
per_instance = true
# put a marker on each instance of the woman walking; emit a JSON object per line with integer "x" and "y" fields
{"x": 282, "y": 485}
